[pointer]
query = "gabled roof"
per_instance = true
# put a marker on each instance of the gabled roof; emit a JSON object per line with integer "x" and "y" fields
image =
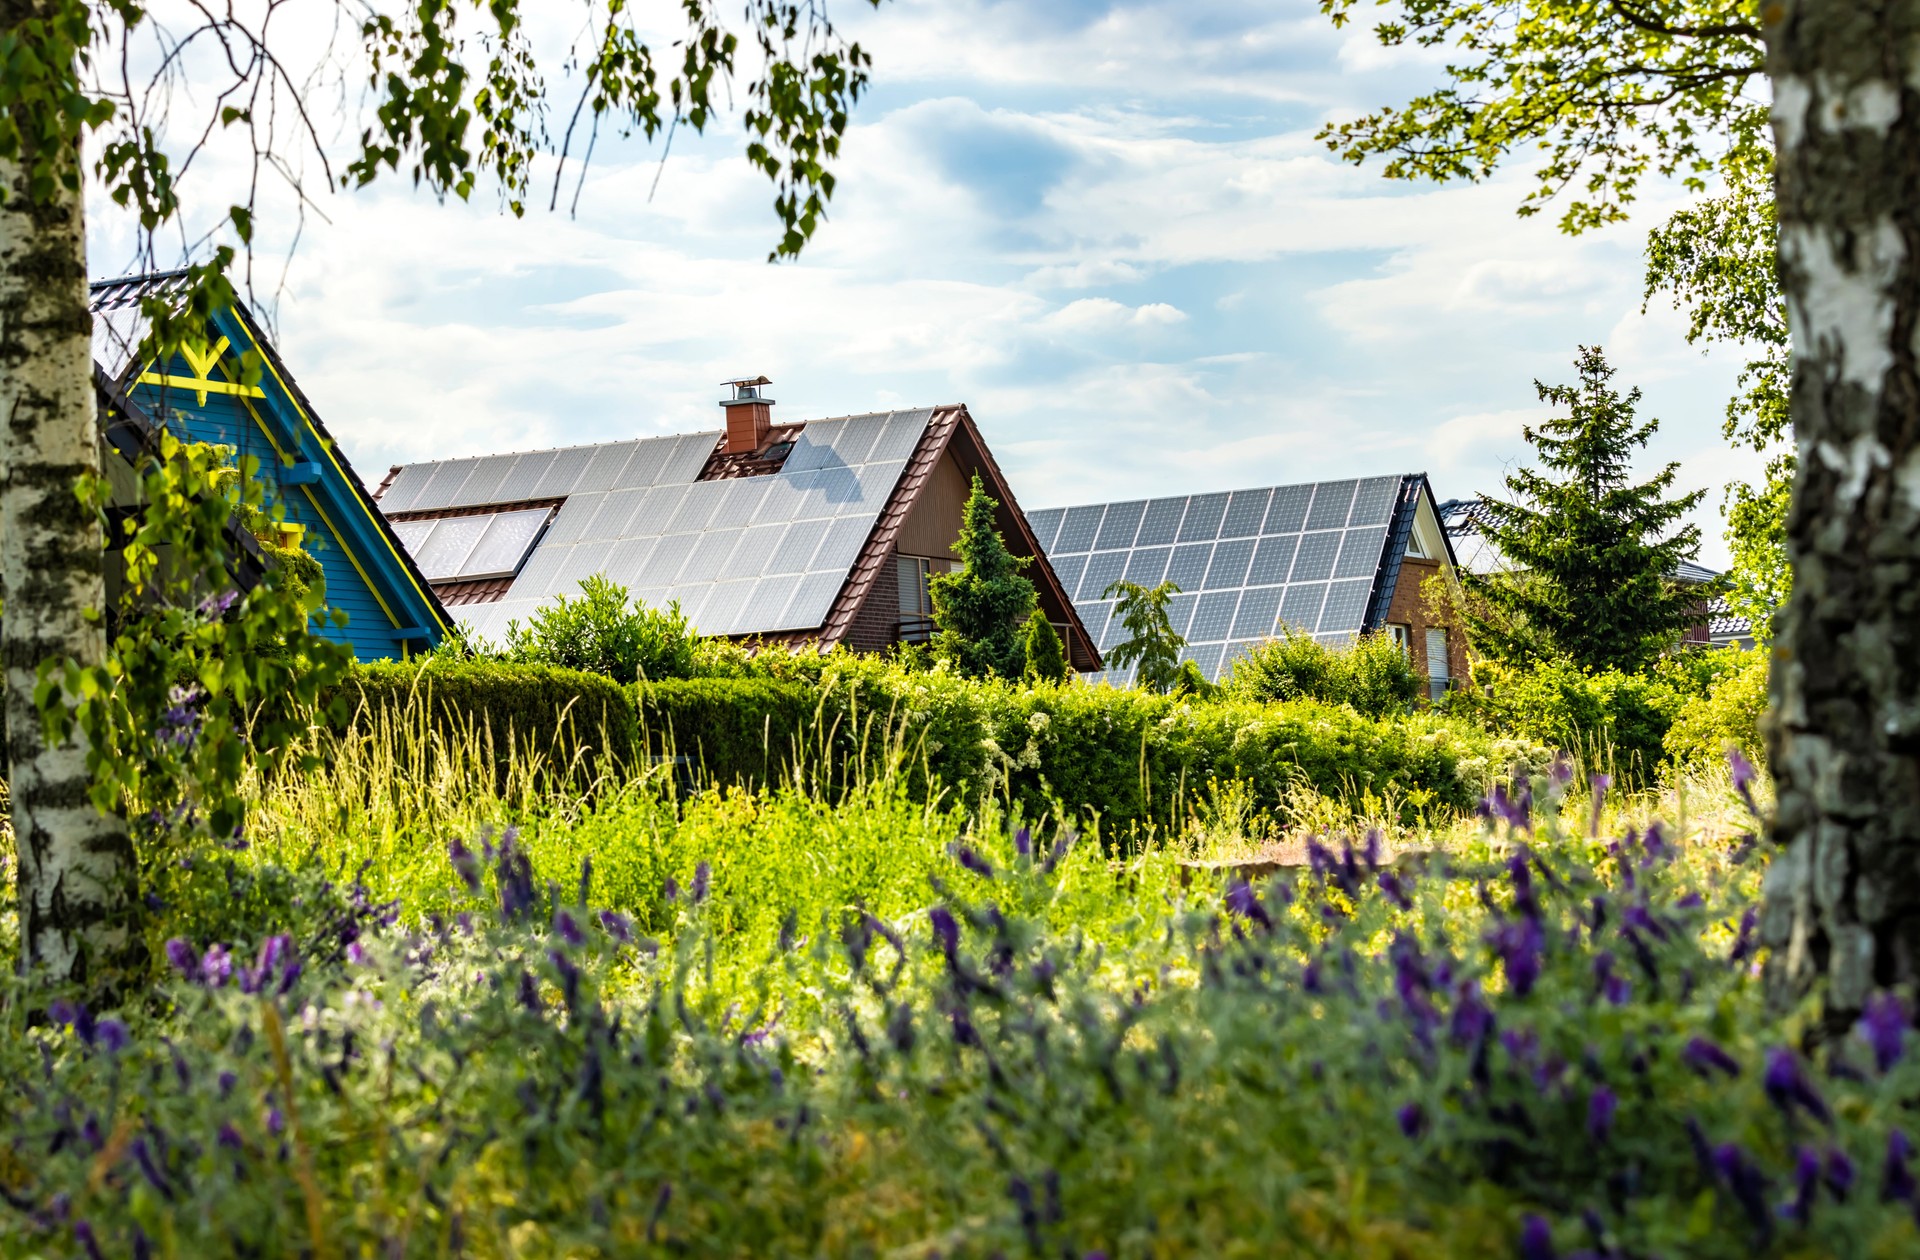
{"x": 1322, "y": 557}
{"x": 1466, "y": 520}
{"x": 310, "y": 458}
{"x": 790, "y": 553}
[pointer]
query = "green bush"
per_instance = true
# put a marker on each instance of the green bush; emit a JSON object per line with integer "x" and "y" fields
{"x": 1374, "y": 676}
{"x": 1729, "y": 712}
{"x": 603, "y": 632}
{"x": 565, "y": 716}
{"x": 1609, "y": 720}
{"x": 743, "y": 730}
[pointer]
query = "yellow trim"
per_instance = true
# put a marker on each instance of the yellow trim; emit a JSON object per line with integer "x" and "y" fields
{"x": 327, "y": 448}
{"x": 202, "y": 382}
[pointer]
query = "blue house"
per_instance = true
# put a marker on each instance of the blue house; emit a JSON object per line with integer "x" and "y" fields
{"x": 204, "y": 395}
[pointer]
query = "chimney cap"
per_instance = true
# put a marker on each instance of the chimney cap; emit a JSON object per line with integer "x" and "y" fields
{"x": 747, "y": 380}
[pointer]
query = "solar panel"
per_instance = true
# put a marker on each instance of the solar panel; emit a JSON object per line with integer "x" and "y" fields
{"x": 1205, "y": 655}
{"x": 1245, "y": 513}
{"x": 1180, "y": 612}
{"x": 644, "y": 466}
{"x": 766, "y": 605}
{"x": 696, "y": 508}
{"x": 563, "y": 472}
{"x": 1045, "y": 525}
{"x": 710, "y": 551}
{"x": 411, "y": 534}
{"x": 523, "y": 476}
{"x": 447, "y": 547}
{"x": 1259, "y": 606}
{"x": 1314, "y": 562}
{"x": 1230, "y": 563}
{"x": 1068, "y": 569}
{"x": 813, "y": 600}
{"x": 585, "y": 560}
{"x": 854, "y": 443}
{"x": 738, "y": 504}
{"x": 504, "y": 547}
{"x": 1331, "y": 500}
{"x": 616, "y": 509}
{"x": 813, "y": 448}
{"x": 669, "y": 553}
{"x": 1188, "y": 568}
{"x": 539, "y": 572}
{"x": 1202, "y": 523}
{"x": 1213, "y": 616}
{"x": 1346, "y": 607}
{"x": 1078, "y": 530}
{"x": 721, "y": 612}
{"x": 797, "y": 547}
{"x": 842, "y": 544}
{"x": 603, "y": 471}
{"x": 1301, "y": 606}
{"x": 1104, "y": 568}
{"x": 406, "y": 487}
{"x": 1161, "y": 524}
{"x": 1273, "y": 559}
{"x": 688, "y": 456}
{"x": 1373, "y": 505}
{"x": 1120, "y": 525}
{"x": 1287, "y": 514}
{"x": 1148, "y": 565}
{"x": 576, "y": 514}
{"x": 626, "y": 563}
{"x": 483, "y": 483}
{"x": 1360, "y": 552}
{"x": 902, "y": 434}
{"x": 755, "y": 552}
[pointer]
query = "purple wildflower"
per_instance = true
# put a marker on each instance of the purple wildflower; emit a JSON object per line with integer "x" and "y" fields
{"x": 1412, "y": 1119}
{"x": 143, "y": 1156}
{"x": 75, "y": 1016}
{"x": 216, "y": 966}
{"x": 702, "y": 884}
{"x": 1884, "y": 1027}
{"x": 617, "y": 925}
{"x": 1536, "y": 1239}
{"x": 1519, "y": 943}
{"x": 1395, "y": 891}
{"x": 229, "y": 1137}
{"x": 83, "y": 1234}
{"x": 227, "y": 1080}
{"x": 465, "y": 865}
{"x": 1614, "y": 987}
{"x": 182, "y": 958}
{"x": 1787, "y": 1085}
{"x": 1706, "y": 1058}
{"x": 1896, "y": 1179}
{"x": 1602, "y": 1103}
{"x": 1243, "y": 901}
{"x": 1601, "y": 782}
{"x": 1806, "y": 1183}
{"x": 1748, "y": 1185}
{"x": 1516, "y": 811}
{"x": 276, "y": 1121}
{"x": 1472, "y": 1020}
{"x": 1743, "y": 776}
{"x": 946, "y": 930}
{"x": 670, "y": 891}
{"x": 1023, "y": 844}
{"x": 1744, "y": 942}
{"x": 113, "y": 1036}
{"x": 1839, "y": 1173}
{"x": 970, "y": 858}
{"x": 563, "y": 923}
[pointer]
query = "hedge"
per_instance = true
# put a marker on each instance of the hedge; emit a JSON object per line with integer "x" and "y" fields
{"x": 562, "y": 715}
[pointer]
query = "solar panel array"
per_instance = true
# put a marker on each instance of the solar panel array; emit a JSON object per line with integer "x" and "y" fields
{"x": 1247, "y": 562}
{"x": 751, "y": 555}
{"x": 468, "y": 548}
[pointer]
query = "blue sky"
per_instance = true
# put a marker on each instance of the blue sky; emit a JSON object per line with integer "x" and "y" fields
{"x": 1103, "y": 226}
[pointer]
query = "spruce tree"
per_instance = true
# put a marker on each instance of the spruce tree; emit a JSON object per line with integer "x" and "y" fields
{"x": 982, "y": 607}
{"x": 1046, "y": 655}
{"x": 1590, "y": 558}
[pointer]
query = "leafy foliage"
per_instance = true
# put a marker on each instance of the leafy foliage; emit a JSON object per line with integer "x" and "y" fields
{"x": 1151, "y": 642}
{"x": 1610, "y": 92}
{"x": 199, "y": 677}
{"x": 602, "y": 630}
{"x": 1591, "y": 564}
{"x": 1728, "y": 713}
{"x": 982, "y": 607}
{"x": 1374, "y": 676}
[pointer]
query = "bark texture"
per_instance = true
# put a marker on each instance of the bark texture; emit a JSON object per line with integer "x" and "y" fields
{"x": 1842, "y": 911}
{"x": 77, "y": 872}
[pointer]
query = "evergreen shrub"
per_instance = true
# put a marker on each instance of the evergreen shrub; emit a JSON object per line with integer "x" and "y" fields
{"x": 1374, "y": 676}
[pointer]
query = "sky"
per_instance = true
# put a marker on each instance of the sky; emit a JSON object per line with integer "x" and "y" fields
{"x": 1106, "y": 228}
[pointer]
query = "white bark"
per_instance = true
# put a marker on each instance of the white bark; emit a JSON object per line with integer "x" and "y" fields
{"x": 76, "y": 875}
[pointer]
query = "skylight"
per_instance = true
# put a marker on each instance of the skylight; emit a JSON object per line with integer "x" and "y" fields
{"x": 470, "y": 548}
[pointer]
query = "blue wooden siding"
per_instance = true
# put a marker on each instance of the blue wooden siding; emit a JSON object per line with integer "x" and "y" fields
{"x": 325, "y": 509}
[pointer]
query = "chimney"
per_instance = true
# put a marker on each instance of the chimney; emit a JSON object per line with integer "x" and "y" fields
{"x": 749, "y": 415}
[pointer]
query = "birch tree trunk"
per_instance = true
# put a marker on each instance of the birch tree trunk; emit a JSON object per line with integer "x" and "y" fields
{"x": 1842, "y": 910}
{"x": 77, "y": 872}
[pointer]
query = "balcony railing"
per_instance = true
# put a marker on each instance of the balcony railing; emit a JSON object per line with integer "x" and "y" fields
{"x": 915, "y": 629}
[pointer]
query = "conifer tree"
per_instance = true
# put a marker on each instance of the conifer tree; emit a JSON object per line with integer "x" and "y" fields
{"x": 1046, "y": 655}
{"x": 1589, "y": 555}
{"x": 982, "y": 607}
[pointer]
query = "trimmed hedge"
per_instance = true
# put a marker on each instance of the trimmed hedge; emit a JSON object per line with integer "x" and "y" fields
{"x": 731, "y": 730}
{"x": 558, "y": 714}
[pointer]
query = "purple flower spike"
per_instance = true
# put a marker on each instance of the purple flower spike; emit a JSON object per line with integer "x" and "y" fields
{"x": 563, "y": 923}
{"x": 113, "y": 1036}
{"x": 1536, "y": 1239}
{"x": 1394, "y": 890}
{"x": 83, "y": 1234}
{"x": 1519, "y": 942}
{"x": 1787, "y": 1085}
{"x": 465, "y": 865}
{"x": 181, "y": 957}
{"x": 229, "y": 1137}
{"x": 1743, "y": 777}
{"x": 702, "y": 884}
{"x": 946, "y": 930}
{"x": 1412, "y": 1119}
{"x": 1601, "y": 782}
{"x": 1472, "y": 1021}
{"x": 1743, "y": 943}
{"x": 1023, "y": 843}
{"x": 970, "y": 858}
{"x": 1896, "y": 1180}
{"x": 1243, "y": 901}
{"x": 1806, "y": 1184}
{"x": 617, "y": 925}
{"x": 1884, "y": 1027}
{"x": 1706, "y": 1058}
{"x": 1839, "y": 1174}
{"x": 1601, "y": 1106}
{"x": 216, "y": 966}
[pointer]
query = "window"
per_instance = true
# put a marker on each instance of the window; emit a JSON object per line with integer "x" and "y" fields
{"x": 1438, "y": 674}
{"x": 916, "y": 595}
{"x": 1402, "y": 636}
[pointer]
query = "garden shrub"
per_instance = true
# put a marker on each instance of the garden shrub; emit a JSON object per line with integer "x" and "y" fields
{"x": 1609, "y": 720}
{"x": 743, "y": 730}
{"x": 1374, "y": 676}
{"x": 601, "y": 630}
{"x": 1728, "y": 713}
{"x": 565, "y": 716}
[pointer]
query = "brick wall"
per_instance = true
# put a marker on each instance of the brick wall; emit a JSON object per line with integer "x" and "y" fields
{"x": 874, "y": 626}
{"x": 1409, "y": 608}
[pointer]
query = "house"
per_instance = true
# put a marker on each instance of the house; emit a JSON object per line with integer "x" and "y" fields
{"x": 237, "y": 392}
{"x": 823, "y": 532}
{"x": 1333, "y": 559}
{"x": 1717, "y": 625}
